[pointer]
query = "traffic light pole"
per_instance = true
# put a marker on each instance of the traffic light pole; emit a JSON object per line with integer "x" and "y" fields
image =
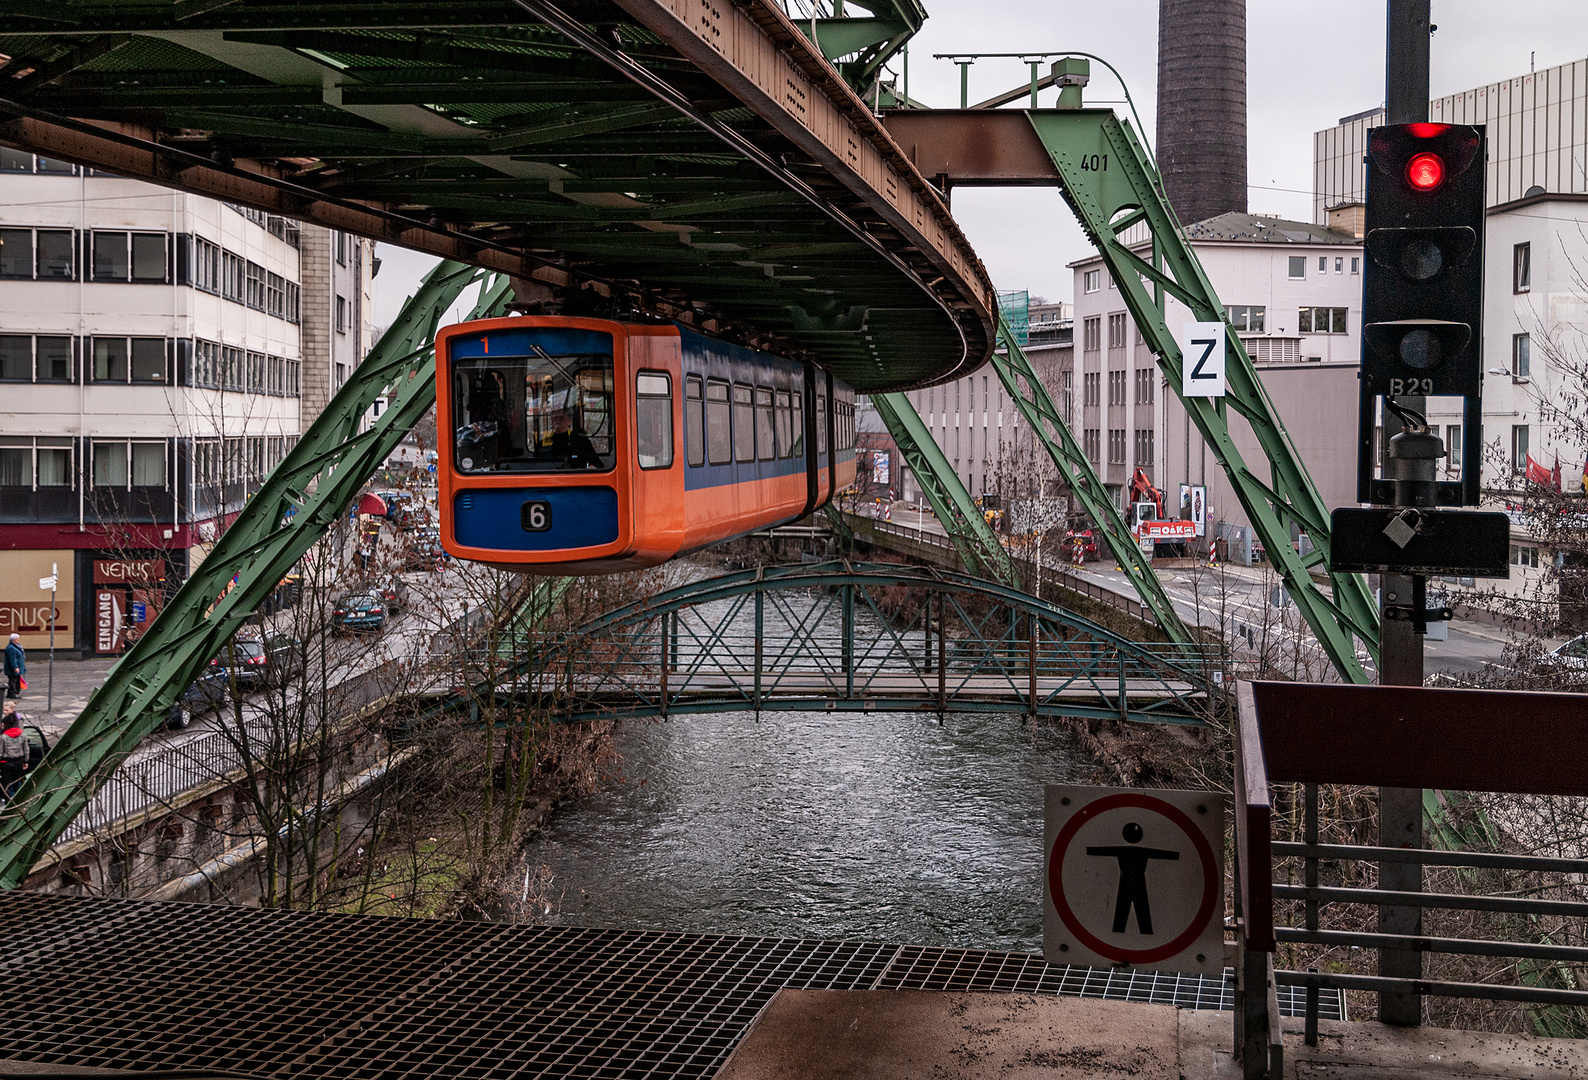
{"x": 1401, "y": 639}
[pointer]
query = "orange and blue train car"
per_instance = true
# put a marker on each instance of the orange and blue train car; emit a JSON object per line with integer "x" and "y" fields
{"x": 588, "y": 446}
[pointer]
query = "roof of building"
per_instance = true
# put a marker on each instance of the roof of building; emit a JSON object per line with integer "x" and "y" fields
{"x": 1265, "y": 229}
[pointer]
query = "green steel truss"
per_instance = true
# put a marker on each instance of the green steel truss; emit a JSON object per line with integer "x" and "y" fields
{"x": 980, "y": 552}
{"x": 296, "y": 505}
{"x": 1109, "y": 201}
{"x": 1036, "y": 406}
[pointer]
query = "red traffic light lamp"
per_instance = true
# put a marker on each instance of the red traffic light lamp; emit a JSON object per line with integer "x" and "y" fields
{"x": 1425, "y": 171}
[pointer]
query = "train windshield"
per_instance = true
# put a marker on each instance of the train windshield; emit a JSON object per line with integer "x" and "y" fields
{"x": 544, "y": 412}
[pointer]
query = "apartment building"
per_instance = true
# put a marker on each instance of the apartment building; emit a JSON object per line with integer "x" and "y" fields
{"x": 151, "y": 373}
{"x": 970, "y": 420}
{"x": 1293, "y": 292}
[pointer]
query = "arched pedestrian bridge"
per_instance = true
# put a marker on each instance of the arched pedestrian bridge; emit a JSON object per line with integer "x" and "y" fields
{"x": 860, "y": 637}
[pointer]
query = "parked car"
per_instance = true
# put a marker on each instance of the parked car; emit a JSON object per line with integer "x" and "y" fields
{"x": 1569, "y": 656}
{"x": 425, "y": 555}
{"x": 394, "y": 590}
{"x": 283, "y": 656}
{"x": 204, "y": 696}
{"x": 38, "y": 745}
{"x": 359, "y": 611}
{"x": 248, "y": 665}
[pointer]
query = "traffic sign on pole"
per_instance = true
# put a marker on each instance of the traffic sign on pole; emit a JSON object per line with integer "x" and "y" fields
{"x": 1134, "y": 878}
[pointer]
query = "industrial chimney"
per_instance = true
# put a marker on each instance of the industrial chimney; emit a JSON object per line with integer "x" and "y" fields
{"x": 1202, "y": 106}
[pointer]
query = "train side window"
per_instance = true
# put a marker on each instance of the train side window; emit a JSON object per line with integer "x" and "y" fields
{"x": 719, "y": 436}
{"x": 695, "y": 420}
{"x": 764, "y": 423}
{"x": 797, "y": 447}
{"x": 653, "y": 419}
{"x": 821, "y": 423}
{"x": 785, "y": 415}
{"x": 743, "y": 422}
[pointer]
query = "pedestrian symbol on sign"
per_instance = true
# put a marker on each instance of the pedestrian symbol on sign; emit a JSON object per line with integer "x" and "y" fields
{"x": 1134, "y": 878}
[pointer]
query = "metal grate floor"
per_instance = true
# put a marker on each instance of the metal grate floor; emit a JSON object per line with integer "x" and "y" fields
{"x": 131, "y": 984}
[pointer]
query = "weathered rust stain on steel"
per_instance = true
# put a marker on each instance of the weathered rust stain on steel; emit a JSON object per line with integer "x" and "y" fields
{"x": 980, "y": 146}
{"x": 762, "y": 59}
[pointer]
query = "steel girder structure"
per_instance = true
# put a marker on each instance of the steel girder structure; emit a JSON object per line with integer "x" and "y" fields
{"x": 696, "y": 161}
{"x": 1109, "y": 202}
{"x": 1066, "y": 148}
{"x": 790, "y": 638}
{"x": 977, "y": 544}
{"x": 295, "y": 506}
{"x": 1036, "y": 405}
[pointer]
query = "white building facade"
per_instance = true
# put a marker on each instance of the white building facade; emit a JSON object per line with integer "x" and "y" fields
{"x": 150, "y": 376}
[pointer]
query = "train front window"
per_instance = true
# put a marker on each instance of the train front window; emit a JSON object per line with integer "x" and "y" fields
{"x": 535, "y": 413}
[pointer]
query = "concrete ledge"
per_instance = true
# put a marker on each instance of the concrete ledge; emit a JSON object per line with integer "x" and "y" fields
{"x": 883, "y": 1034}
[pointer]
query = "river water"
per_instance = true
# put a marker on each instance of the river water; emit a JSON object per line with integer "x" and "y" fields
{"x": 886, "y": 827}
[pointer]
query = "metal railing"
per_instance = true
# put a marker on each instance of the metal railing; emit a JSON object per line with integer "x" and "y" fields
{"x": 1396, "y": 737}
{"x": 1056, "y": 576}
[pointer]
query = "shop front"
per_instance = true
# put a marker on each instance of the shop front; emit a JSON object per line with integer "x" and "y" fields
{"x": 25, "y": 608}
{"x": 128, "y": 592}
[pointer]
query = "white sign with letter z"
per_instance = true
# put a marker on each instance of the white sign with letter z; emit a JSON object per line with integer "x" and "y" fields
{"x": 1202, "y": 360}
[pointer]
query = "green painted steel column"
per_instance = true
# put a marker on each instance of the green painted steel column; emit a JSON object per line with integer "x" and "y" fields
{"x": 297, "y": 503}
{"x": 1111, "y": 185}
{"x": 979, "y": 547}
{"x": 1036, "y": 406}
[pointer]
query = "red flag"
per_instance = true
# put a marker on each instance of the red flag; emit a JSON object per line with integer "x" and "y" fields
{"x": 1536, "y": 473}
{"x": 1554, "y": 476}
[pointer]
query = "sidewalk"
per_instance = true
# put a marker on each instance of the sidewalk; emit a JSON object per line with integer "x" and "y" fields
{"x": 74, "y": 681}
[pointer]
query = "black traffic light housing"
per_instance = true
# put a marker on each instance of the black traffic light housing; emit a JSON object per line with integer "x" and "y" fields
{"x": 1422, "y": 288}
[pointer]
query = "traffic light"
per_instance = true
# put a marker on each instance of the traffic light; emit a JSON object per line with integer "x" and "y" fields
{"x": 1422, "y": 302}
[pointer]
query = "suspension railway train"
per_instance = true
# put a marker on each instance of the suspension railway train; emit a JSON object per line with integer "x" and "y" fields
{"x": 587, "y": 446}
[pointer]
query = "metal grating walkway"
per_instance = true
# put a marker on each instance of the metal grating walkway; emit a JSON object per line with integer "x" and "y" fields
{"x": 131, "y": 984}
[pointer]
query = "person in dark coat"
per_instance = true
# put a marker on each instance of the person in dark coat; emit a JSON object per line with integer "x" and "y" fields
{"x": 16, "y": 666}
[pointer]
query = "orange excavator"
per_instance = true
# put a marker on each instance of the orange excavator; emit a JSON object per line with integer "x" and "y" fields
{"x": 1142, "y": 493}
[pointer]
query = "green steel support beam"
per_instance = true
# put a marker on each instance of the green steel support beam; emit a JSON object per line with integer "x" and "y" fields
{"x": 979, "y": 548}
{"x": 539, "y": 602}
{"x": 297, "y": 503}
{"x": 1037, "y": 408}
{"x": 1108, "y": 201}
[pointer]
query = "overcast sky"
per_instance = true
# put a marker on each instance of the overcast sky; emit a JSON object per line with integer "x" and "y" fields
{"x": 1308, "y": 64}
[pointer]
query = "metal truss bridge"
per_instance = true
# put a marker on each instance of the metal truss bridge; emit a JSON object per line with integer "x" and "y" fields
{"x": 858, "y": 637}
{"x": 709, "y": 161}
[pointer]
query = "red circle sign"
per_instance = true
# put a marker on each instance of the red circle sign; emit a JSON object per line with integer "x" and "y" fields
{"x": 1210, "y": 882}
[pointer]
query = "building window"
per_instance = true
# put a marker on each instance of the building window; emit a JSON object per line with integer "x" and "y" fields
{"x": 1356, "y": 264}
{"x": 26, "y": 358}
{"x": 1116, "y": 388}
{"x": 276, "y": 295}
{"x": 254, "y": 368}
{"x": 1321, "y": 320}
{"x": 1091, "y": 388}
{"x": 1298, "y": 267}
{"x": 341, "y": 315}
{"x": 1116, "y": 331}
{"x": 1521, "y": 268}
{"x": 36, "y": 463}
{"x": 233, "y": 274}
{"x": 1339, "y": 266}
{"x": 20, "y": 161}
{"x": 1094, "y": 445}
{"x": 294, "y": 304}
{"x": 42, "y": 254}
{"x": 1067, "y": 395}
{"x": 1144, "y": 383}
{"x": 206, "y": 271}
{"x": 1246, "y": 316}
{"x": 1453, "y": 447}
{"x": 255, "y": 295}
{"x": 1116, "y": 446}
{"x": 341, "y": 248}
{"x": 1524, "y": 555}
{"x": 136, "y": 257}
{"x": 1144, "y": 447}
{"x": 1323, "y": 264}
{"x": 1519, "y": 448}
{"x": 1092, "y": 334}
{"x": 1091, "y": 281}
{"x": 293, "y": 367}
{"x": 232, "y": 368}
{"x": 1521, "y": 358}
{"x": 110, "y": 464}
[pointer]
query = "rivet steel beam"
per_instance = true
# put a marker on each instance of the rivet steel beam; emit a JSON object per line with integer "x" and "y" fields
{"x": 294, "y": 507}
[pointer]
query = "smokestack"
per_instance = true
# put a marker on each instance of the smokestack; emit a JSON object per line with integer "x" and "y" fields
{"x": 1202, "y": 106}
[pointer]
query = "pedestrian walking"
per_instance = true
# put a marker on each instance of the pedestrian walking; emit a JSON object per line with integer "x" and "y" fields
{"x": 16, "y": 667}
{"x": 14, "y": 751}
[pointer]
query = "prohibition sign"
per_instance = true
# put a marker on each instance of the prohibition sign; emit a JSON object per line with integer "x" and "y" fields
{"x": 1210, "y": 877}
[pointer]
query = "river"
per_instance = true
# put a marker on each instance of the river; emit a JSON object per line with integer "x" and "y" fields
{"x": 885, "y": 827}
